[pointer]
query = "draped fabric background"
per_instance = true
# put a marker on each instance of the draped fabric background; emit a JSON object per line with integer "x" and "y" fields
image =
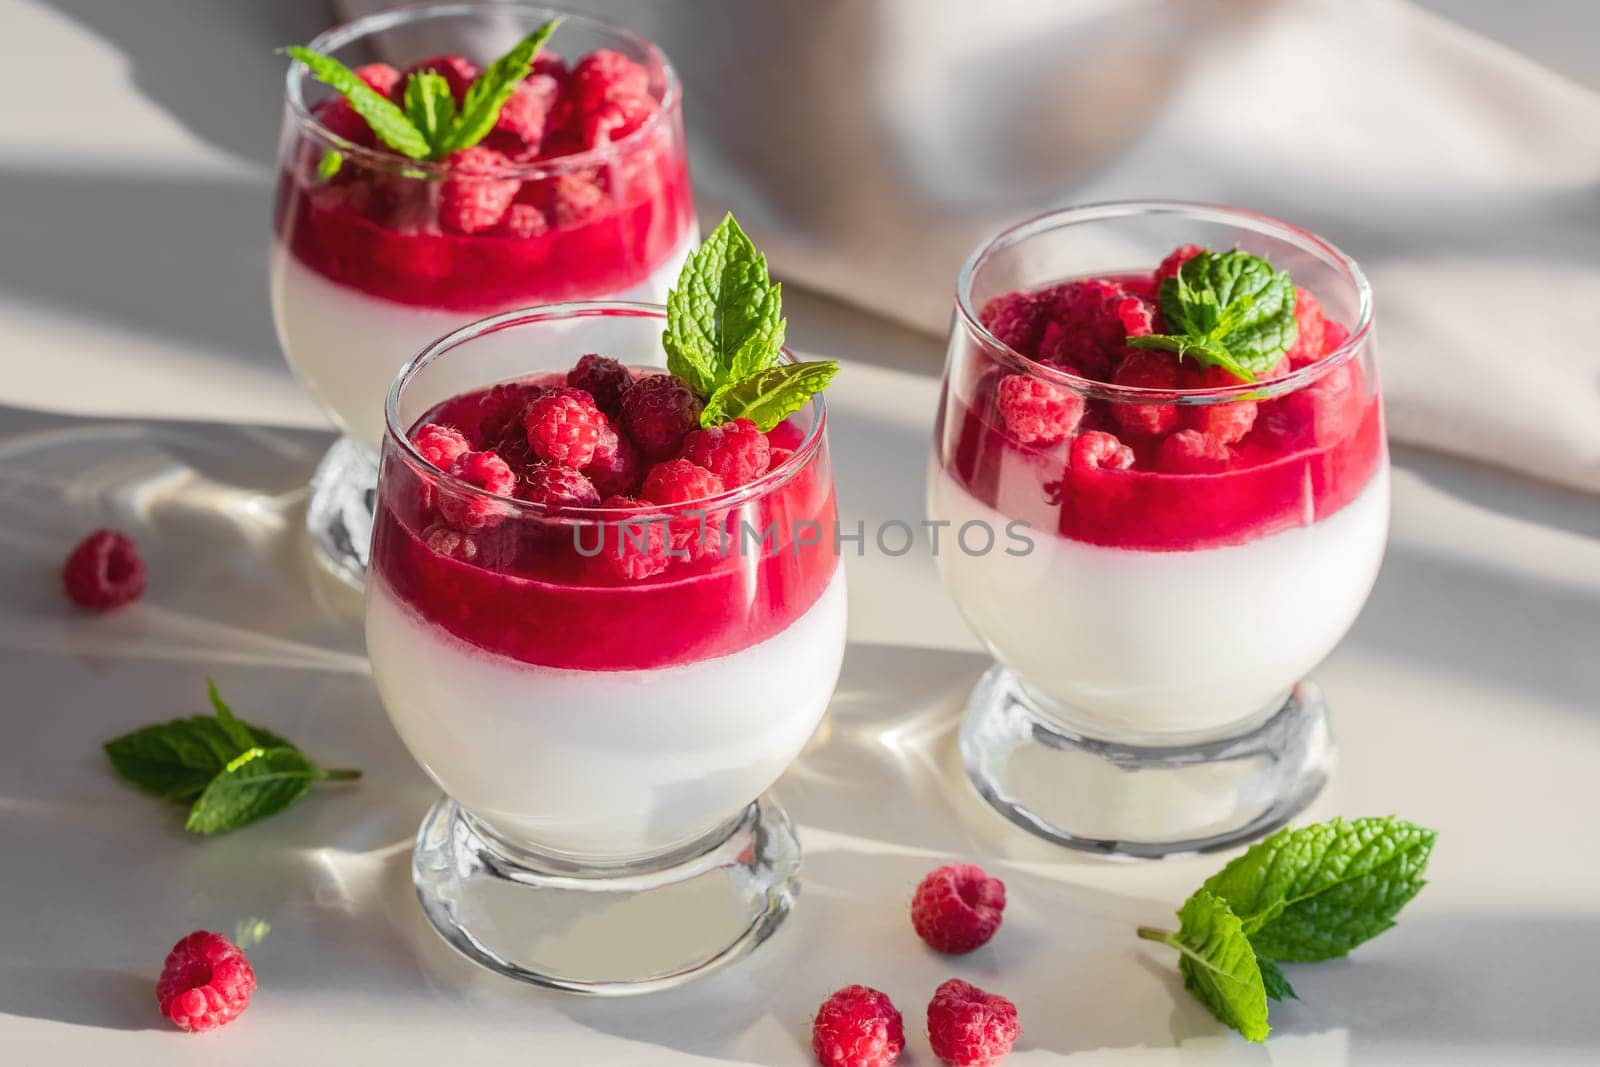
{"x": 870, "y": 144}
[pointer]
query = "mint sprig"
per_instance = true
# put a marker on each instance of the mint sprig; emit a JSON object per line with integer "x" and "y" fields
{"x": 725, "y": 330}
{"x": 229, "y": 772}
{"x": 1229, "y": 309}
{"x": 1302, "y": 895}
{"x": 429, "y": 126}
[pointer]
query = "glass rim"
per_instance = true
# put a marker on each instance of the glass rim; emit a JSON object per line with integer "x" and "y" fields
{"x": 726, "y": 500}
{"x": 1220, "y": 213}
{"x": 381, "y": 21}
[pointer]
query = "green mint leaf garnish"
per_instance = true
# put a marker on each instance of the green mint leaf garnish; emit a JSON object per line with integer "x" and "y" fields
{"x": 1272, "y": 979}
{"x": 1316, "y": 892}
{"x": 386, "y": 119}
{"x": 255, "y": 784}
{"x": 490, "y": 90}
{"x": 185, "y": 761}
{"x": 430, "y": 107}
{"x": 1230, "y": 309}
{"x": 1300, "y": 896}
{"x": 1218, "y": 964}
{"x": 329, "y": 165}
{"x": 768, "y": 397}
{"x": 725, "y": 316}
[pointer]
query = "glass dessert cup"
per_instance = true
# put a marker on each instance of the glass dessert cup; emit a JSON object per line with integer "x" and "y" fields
{"x": 605, "y": 743}
{"x": 1153, "y": 636}
{"x": 369, "y": 265}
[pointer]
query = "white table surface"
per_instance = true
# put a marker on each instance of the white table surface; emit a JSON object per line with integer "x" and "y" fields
{"x": 142, "y": 388}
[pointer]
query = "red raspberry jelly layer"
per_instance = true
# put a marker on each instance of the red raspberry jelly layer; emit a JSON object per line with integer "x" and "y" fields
{"x": 522, "y": 589}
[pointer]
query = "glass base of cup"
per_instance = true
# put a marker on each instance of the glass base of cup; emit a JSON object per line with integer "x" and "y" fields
{"x": 344, "y": 493}
{"x": 1145, "y": 801}
{"x": 611, "y": 930}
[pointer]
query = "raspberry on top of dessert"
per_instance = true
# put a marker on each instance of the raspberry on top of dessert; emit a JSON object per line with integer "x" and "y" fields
{"x": 1145, "y": 413}
{"x": 451, "y": 185}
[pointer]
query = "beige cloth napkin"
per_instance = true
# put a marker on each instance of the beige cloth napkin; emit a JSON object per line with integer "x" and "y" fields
{"x": 870, "y": 144}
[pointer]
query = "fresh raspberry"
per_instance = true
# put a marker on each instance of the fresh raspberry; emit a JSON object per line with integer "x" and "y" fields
{"x": 458, "y": 71}
{"x": 1098, "y": 450}
{"x": 473, "y": 199}
{"x": 205, "y": 983}
{"x": 1226, "y": 423}
{"x": 1146, "y": 370}
{"x": 633, "y": 549}
{"x": 616, "y": 467}
{"x": 564, "y": 427}
{"x": 604, "y": 75}
{"x": 525, "y": 221}
{"x": 557, "y": 486}
{"x": 1017, "y": 319}
{"x": 968, "y": 1027}
{"x": 1310, "y": 339}
{"x": 680, "y": 481}
{"x": 602, "y": 378}
{"x": 657, "y": 411}
{"x": 857, "y": 1027}
{"x": 451, "y": 543}
{"x": 779, "y": 456}
{"x": 1035, "y": 411}
{"x": 104, "y": 572}
{"x": 615, "y": 119}
{"x": 336, "y": 114}
{"x": 469, "y": 511}
{"x": 573, "y": 200}
{"x": 440, "y": 445}
{"x": 526, "y": 111}
{"x": 1193, "y": 452}
{"x": 1334, "y": 335}
{"x": 1324, "y": 412}
{"x": 501, "y": 410}
{"x": 736, "y": 451}
{"x": 957, "y": 907}
{"x": 551, "y": 65}
{"x": 1090, "y": 322}
{"x": 1175, "y": 259}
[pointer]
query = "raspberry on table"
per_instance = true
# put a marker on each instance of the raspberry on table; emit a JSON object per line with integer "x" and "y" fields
{"x": 857, "y": 1027}
{"x": 604, "y": 75}
{"x": 205, "y": 983}
{"x": 1175, "y": 260}
{"x": 457, "y": 71}
{"x": 440, "y": 445}
{"x": 469, "y": 511}
{"x": 616, "y": 467}
{"x": 735, "y": 451}
{"x": 1309, "y": 342}
{"x": 680, "y": 481}
{"x": 1017, "y": 319}
{"x": 1036, "y": 411}
{"x": 658, "y": 411}
{"x": 557, "y": 486}
{"x": 957, "y": 907}
{"x": 1193, "y": 452}
{"x": 104, "y": 571}
{"x": 968, "y": 1027}
{"x": 633, "y": 549}
{"x": 473, "y": 198}
{"x": 564, "y": 426}
{"x": 1098, "y": 450}
{"x": 603, "y": 378}
{"x": 1146, "y": 370}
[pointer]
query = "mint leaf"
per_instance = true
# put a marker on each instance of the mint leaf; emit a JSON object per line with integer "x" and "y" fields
{"x": 1272, "y": 979}
{"x": 491, "y": 89}
{"x": 430, "y": 107}
{"x": 725, "y": 316}
{"x": 255, "y": 784}
{"x": 1230, "y": 309}
{"x": 1218, "y": 965}
{"x": 386, "y": 119}
{"x": 1317, "y": 892}
{"x": 176, "y": 760}
{"x": 329, "y": 165}
{"x": 240, "y": 734}
{"x": 767, "y": 397}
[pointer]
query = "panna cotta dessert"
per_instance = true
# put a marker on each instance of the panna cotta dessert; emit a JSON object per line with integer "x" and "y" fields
{"x": 579, "y": 190}
{"x": 602, "y": 617}
{"x": 1185, "y": 463}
